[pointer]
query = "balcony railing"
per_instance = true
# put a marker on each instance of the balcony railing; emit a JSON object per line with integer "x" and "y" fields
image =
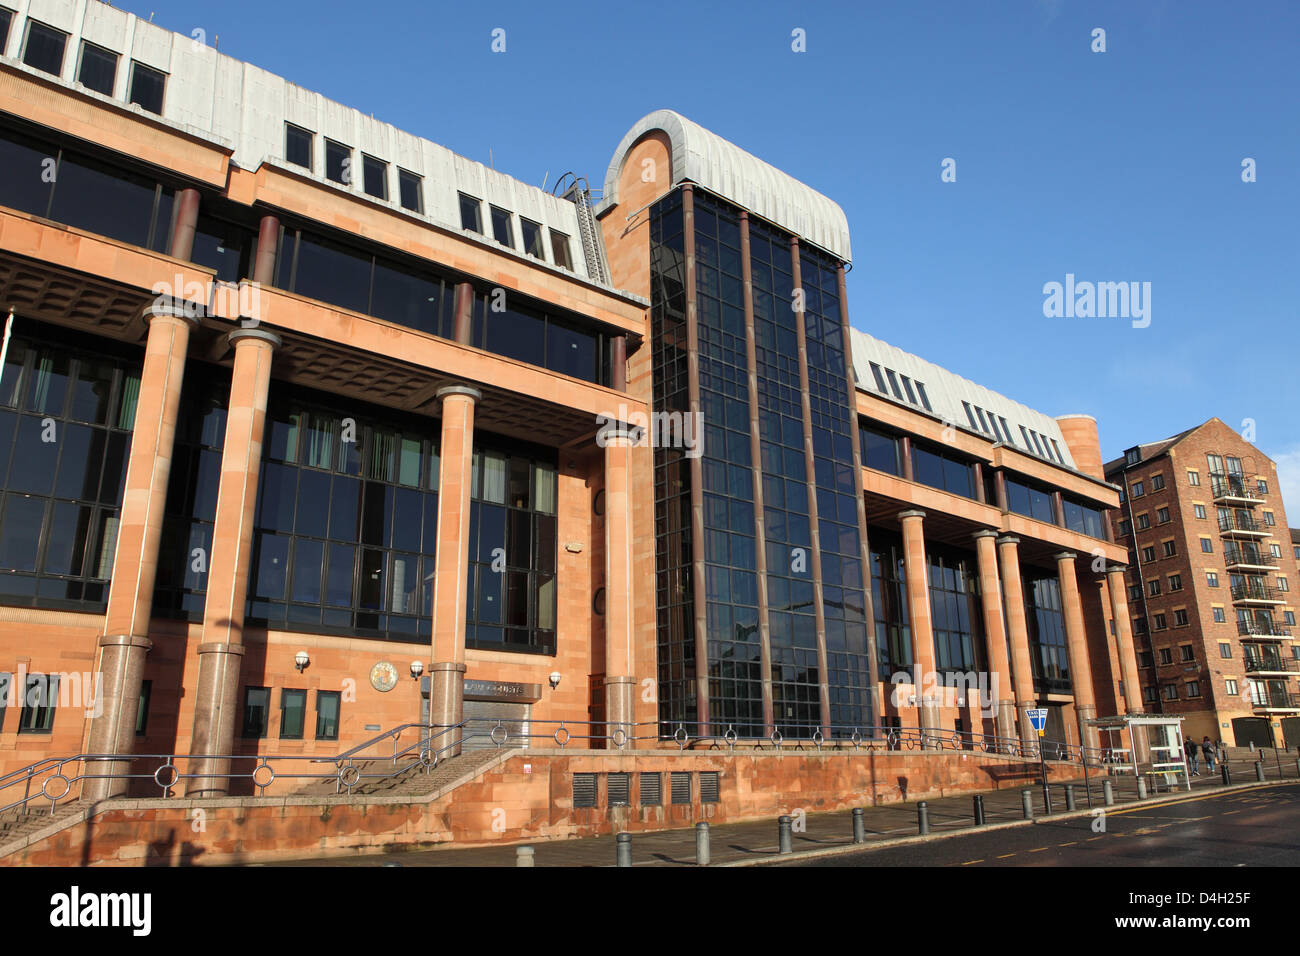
{"x": 1275, "y": 700}
{"x": 1255, "y": 592}
{"x": 1250, "y": 557}
{"x": 1241, "y": 524}
{"x": 1233, "y": 486}
{"x": 1270, "y": 664}
{"x": 1262, "y": 629}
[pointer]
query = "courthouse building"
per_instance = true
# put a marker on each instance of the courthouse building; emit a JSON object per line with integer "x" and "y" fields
{"x": 301, "y": 439}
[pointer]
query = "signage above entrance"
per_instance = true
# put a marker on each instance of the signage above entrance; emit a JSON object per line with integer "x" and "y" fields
{"x": 502, "y": 690}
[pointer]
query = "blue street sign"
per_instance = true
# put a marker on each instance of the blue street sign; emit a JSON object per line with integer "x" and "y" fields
{"x": 1038, "y": 717}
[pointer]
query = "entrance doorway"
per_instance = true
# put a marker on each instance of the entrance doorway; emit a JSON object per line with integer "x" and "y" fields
{"x": 1252, "y": 730}
{"x": 493, "y": 723}
{"x": 1290, "y": 732}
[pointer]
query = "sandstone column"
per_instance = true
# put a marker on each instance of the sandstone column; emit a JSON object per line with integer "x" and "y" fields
{"x": 216, "y": 705}
{"x": 125, "y": 642}
{"x": 1013, "y": 596}
{"x": 919, "y": 621}
{"x": 1076, "y": 638}
{"x": 1124, "y": 638}
{"x": 620, "y": 685}
{"x": 1002, "y": 691}
{"x": 451, "y": 566}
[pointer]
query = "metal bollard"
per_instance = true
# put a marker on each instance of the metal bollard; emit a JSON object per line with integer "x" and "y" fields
{"x": 1069, "y": 797}
{"x": 1142, "y": 787}
{"x": 1259, "y": 770}
{"x": 623, "y": 854}
{"x": 524, "y": 856}
{"x": 1297, "y": 766}
{"x": 701, "y": 844}
{"x": 859, "y": 825}
{"x": 979, "y": 810}
{"x": 923, "y": 817}
{"x": 1227, "y": 774}
{"x": 1027, "y": 803}
{"x": 783, "y": 838}
{"x": 1108, "y": 793}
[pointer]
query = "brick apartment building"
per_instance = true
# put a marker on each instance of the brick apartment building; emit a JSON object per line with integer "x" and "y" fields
{"x": 300, "y": 419}
{"x": 1212, "y": 563}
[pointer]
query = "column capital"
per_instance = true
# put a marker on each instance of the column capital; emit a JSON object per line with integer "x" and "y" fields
{"x": 913, "y": 513}
{"x": 1117, "y": 569}
{"x": 985, "y": 533}
{"x": 165, "y": 307}
{"x": 252, "y": 333}
{"x": 469, "y": 392}
{"x": 1065, "y": 556}
{"x": 125, "y": 640}
{"x": 1008, "y": 539}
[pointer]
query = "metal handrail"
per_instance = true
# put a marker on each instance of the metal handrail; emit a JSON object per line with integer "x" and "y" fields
{"x": 1247, "y": 556}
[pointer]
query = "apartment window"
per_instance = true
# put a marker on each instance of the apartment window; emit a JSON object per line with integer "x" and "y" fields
{"x": 1171, "y": 692}
{"x": 327, "y": 714}
{"x": 1149, "y": 553}
{"x": 1132, "y": 456}
{"x": 532, "y": 238}
{"x": 939, "y": 468}
{"x": 1162, "y": 515}
{"x": 44, "y": 50}
{"x": 1198, "y": 510}
{"x": 297, "y": 145}
{"x": 1296, "y": 550}
{"x": 1261, "y": 486}
{"x": 1275, "y": 550}
{"x": 1135, "y": 592}
{"x": 1125, "y": 528}
{"x": 1289, "y": 618}
{"x": 881, "y": 451}
{"x": 1212, "y": 579}
{"x": 1157, "y": 482}
{"x": 40, "y": 698}
{"x": 1282, "y": 585}
{"x": 1193, "y": 688}
{"x": 1153, "y": 587}
{"x": 560, "y": 251}
{"x": 1170, "y": 548}
{"x": 147, "y": 85}
{"x": 1138, "y": 490}
{"x": 1225, "y": 649}
{"x": 1215, "y": 464}
{"x": 1144, "y": 521}
{"x": 652, "y": 789}
{"x": 410, "y": 190}
{"x": 1185, "y": 651}
{"x": 1149, "y": 694}
{"x": 1230, "y": 685}
{"x": 1207, "y": 546}
{"x": 98, "y": 68}
{"x": 1144, "y": 658}
{"x": 1161, "y": 622}
{"x": 1295, "y": 648}
{"x": 1193, "y": 477}
{"x": 471, "y": 214}
{"x": 338, "y": 163}
{"x": 1175, "y": 582}
{"x": 1180, "y": 618}
{"x": 6, "y": 18}
{"x": 501, "y": 230}
{"x": 257, "y": 711}
{"x": 293, "y": 712}
{"x": 142, "y": 708}
{"x": 1030, "y": 501}
{"x": 374, "y": 177}
{"x": 1269, "y": 519}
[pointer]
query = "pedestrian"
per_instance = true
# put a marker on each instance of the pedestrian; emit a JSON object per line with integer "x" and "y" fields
{"x": 1189, "y": 749}
{"x": 1208, "y": 749}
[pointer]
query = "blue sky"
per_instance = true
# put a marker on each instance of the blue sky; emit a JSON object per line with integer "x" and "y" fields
{"x": 1115, "y": 166}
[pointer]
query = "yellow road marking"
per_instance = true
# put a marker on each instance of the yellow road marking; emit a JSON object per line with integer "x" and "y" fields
{"x": 1090, "y": 839}
{"x": 1228, "y": 813}
{"x": 969, "y": 862}
{"x": 1038, "y": 849}
{"x": 1005, "y": 856}
{"x": 1071, "y": 843}
{"x": 1169, "y": 803}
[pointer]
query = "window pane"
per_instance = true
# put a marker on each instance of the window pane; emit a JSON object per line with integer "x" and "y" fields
{"x": 332, "y": 274}
{"x": 293, "y": 708}
{"x": 412, "y": 193}
{"x": 374, "y": 177}
{"x": 406, "y": 298}
{"x": 338, "y": 162}
{"x": 470, "y": 214}
{"x": 98, "y": 69}
{"x": 517, "y": 335}
{"x": 272, "y": 563}
{"x": 44, "y": 48}
{"x": 571, "y": 352}
{"x": 327, "y": 714}
{"x": 297, "y": 145}
{"x": 560, "y": 250}
{"x": 147, "y": 88}
{"x": 532, "y": 238}
{"x": 20, "y": 532}
{"x": 308, "y": 563}
{"x": 501, "y": 230}
{"x": 93, "y": 197}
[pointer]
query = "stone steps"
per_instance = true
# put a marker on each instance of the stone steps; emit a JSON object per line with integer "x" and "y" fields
{"x": 17, "y": 823}
{"x": 408, "y": 777}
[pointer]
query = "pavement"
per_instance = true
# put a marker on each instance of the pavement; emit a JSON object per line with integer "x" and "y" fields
{"x": 816, "y": 834}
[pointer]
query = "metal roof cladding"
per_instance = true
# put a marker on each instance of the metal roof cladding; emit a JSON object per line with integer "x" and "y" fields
{"x": 720, "y": 166}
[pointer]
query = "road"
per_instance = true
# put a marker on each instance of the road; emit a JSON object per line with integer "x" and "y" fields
{"x": 1258, "y": 827}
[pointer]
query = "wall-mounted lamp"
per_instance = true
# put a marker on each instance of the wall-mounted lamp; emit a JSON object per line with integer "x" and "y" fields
{"x": 417, "y": 668}
{"x": 301, "y": 660}
{"x": 555, "y": 679}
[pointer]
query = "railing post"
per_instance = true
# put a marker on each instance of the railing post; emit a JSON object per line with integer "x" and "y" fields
{"x": 923, "y": 817}
{"x": 783, "y": 835}
{"x": 860, "y": 824}
{"x": 702, "y": 844}
{"x": 623, "y": 849}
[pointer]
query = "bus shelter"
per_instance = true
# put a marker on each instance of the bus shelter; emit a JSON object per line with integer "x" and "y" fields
{"x": 1144, "y": 744}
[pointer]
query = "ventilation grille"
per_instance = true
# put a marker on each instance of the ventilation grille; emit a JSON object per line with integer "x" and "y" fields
{"x": 709, "y": 787}
{"x": 681, "y": 783}
{"x": 584, "y": 790}
{"x": 652, "y": 789}
{"x": 619, "y": 786}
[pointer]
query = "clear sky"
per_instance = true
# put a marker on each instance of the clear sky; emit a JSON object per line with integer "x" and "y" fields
{"x": 1117, "y": 166}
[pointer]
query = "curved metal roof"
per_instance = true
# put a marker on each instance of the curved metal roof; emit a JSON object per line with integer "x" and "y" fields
{"x": 722, "y": 167}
